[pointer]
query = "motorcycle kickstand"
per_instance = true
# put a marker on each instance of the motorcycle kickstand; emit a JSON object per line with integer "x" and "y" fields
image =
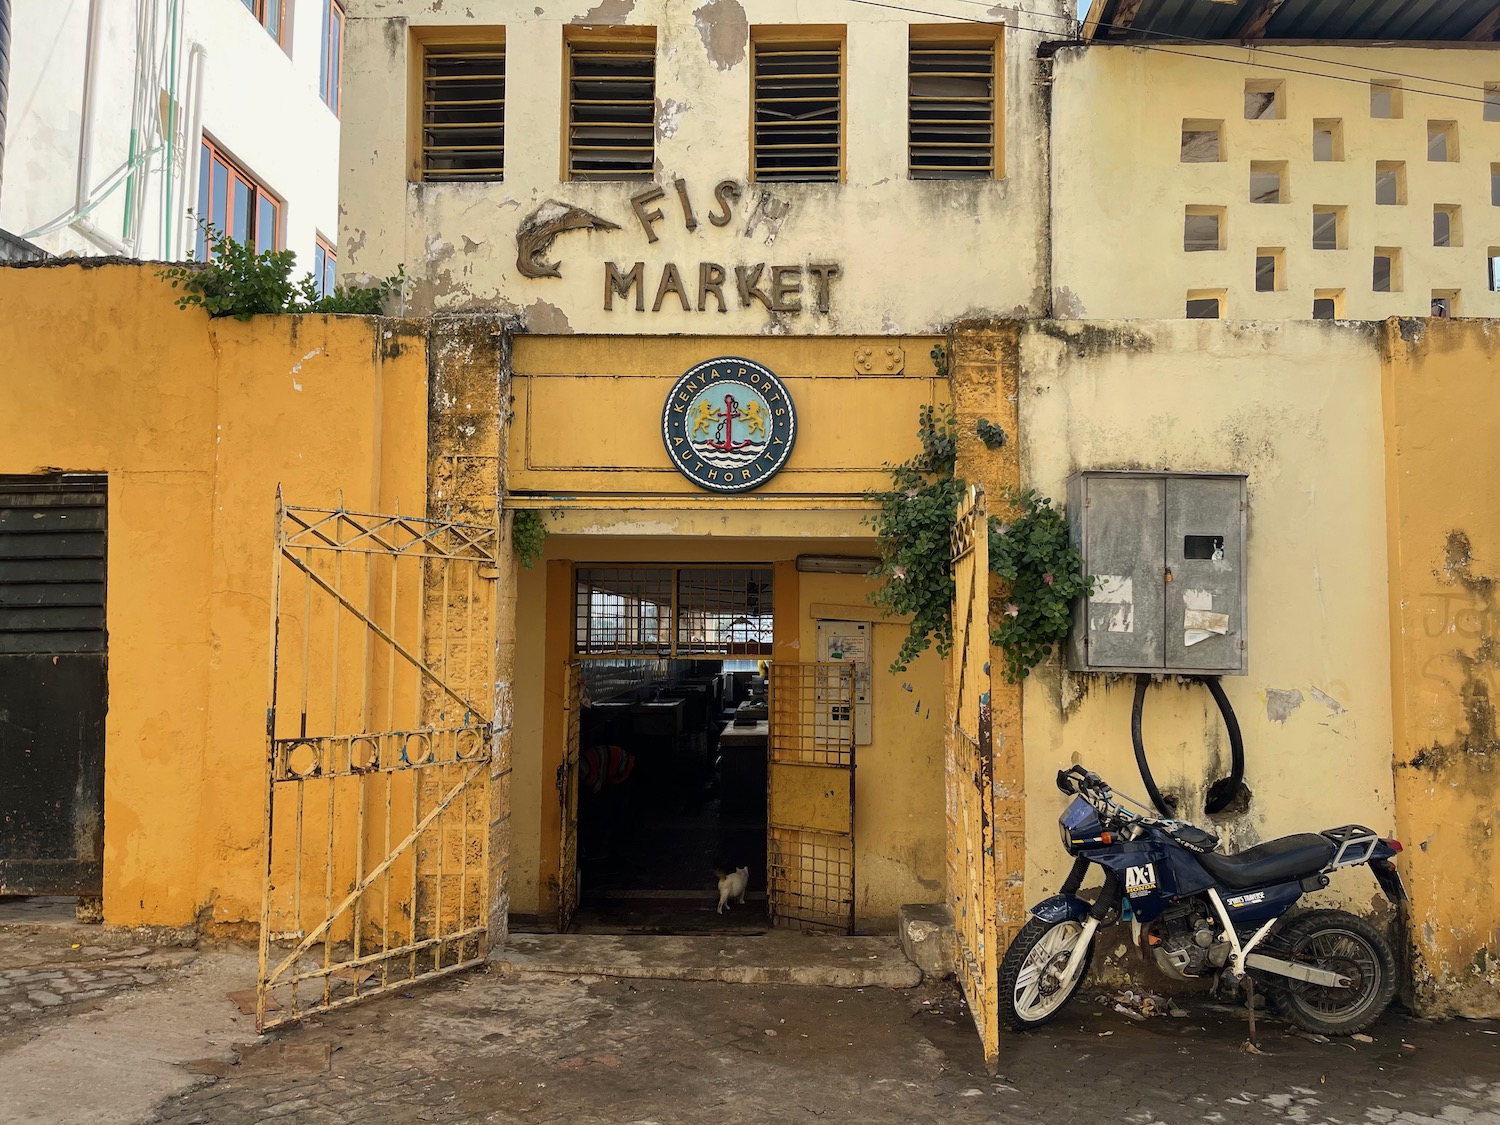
{"x": 1250, "y": 1007}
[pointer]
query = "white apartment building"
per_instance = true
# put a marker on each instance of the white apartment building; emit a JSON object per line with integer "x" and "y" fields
{"x": 126, "y": 119}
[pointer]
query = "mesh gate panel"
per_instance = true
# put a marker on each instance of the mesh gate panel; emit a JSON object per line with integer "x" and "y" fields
{"x": 811, "y": 800}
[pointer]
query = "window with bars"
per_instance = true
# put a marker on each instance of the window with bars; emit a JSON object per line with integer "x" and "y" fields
{"x": 235, "y": 203}
{"x": 799, "y": 111}
{"x": 611, "y": 110}
{"x": 951, "y": 110}
{"x": 673, "y": 611}
{"x": 463, "y": 111}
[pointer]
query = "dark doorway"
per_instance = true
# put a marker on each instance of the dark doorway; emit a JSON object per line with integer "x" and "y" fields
{"x": 53, "y": 656}
{"x": 671, "y": 785}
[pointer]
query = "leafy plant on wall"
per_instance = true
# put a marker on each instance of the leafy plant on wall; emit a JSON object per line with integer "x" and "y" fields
{"x": 913, "y": 529}
{"x": 239, "y": 282}
{"x": 528, "y": 534}
{"x": 1029, "y": 553}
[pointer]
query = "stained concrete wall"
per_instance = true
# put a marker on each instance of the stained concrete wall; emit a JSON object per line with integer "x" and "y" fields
{"x": 1443, "y": 496}
{"x": 897, "y": 243}
{"x": 1298, "y": 408}
{"x": 196, "y": 422}
{"x": 1120, "y": 188}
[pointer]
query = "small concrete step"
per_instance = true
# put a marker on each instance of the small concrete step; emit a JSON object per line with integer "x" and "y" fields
{"x": 776, "y": 957}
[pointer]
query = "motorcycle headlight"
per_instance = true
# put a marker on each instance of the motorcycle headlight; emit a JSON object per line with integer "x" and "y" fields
{"x": 1067, "y": 837}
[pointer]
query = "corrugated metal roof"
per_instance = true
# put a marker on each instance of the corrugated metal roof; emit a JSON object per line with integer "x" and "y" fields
{"x": 1360, "y": 20}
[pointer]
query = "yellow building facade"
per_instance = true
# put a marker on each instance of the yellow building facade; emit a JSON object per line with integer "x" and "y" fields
{"x": 1277, "y": 182}
{"x": 574, "y": 276}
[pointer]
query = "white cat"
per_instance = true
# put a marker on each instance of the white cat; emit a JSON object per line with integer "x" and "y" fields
{"x": 732, "y": 885}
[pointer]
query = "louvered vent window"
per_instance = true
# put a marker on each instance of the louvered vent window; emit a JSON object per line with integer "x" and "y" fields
{"x": 798, "y": 111}
{"x": 463, "y": 112}
{"x": 952, "y": 111}
{"x": 611, "y": 111}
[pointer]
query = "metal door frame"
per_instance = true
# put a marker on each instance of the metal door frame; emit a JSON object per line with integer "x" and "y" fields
{"x": 402, "y": 761}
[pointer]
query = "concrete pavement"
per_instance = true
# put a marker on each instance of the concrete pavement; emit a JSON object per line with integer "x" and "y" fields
{"x": 487, "y": 1048}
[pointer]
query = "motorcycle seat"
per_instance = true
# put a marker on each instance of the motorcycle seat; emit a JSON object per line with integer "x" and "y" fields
{"x": 1275, "y": 861}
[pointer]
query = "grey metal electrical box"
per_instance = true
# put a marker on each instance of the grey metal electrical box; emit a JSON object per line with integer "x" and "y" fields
{"x": 1167, "y": 552}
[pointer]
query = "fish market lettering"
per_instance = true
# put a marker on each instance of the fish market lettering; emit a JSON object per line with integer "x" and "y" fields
{"x": 712, "y": 285}
{"x": 787, "y": 289}
{"x": 729, "y": 424}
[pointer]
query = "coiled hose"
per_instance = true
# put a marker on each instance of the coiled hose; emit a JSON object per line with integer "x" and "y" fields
{"x": 1221, "y": 792}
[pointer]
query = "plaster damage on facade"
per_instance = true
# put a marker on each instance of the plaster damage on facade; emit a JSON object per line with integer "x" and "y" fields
{"x": 1442, "y": 496}
{"x": 837, "y": 246}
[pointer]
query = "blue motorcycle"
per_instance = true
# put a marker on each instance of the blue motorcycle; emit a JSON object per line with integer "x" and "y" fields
{"x": 1200, "y": 913}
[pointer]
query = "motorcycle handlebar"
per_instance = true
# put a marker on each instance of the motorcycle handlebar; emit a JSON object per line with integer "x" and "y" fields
{"x": 1076, "y": 779}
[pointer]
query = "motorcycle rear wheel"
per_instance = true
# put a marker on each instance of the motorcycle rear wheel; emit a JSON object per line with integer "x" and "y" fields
{"x": 1031, "y": 992}
{"x": 1344, "y": 944}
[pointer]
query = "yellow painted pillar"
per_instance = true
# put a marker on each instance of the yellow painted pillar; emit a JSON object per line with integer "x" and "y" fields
{"x": 984, "y": 374}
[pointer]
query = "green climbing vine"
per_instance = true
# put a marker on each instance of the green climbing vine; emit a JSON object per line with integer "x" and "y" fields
{"x": 913, "y": 528}
{"x": 1029, "y": 552}
{"x": 1041, "y": 575}
{"x": 528, "y": 532}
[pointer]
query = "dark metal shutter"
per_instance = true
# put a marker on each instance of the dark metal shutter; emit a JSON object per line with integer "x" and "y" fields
{"x": 53, "y": 684}
{"x": 52, "y": 564}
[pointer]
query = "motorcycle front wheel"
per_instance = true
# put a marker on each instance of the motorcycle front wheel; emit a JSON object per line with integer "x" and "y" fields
{"x": 1349, "y": 946}
{"x": 1031, "y": 987}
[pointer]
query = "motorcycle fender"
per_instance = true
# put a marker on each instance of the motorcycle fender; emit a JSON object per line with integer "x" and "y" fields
{"x": 1389, "y": 879}
{"x": 1061, "y": 908}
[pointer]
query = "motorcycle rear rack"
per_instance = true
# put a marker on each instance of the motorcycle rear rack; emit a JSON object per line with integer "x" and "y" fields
{"x": 1355, "y": 843}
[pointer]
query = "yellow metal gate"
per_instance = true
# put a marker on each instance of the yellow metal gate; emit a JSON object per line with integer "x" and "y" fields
{"x": 381, "y": 743}
{"x": 970, "y": 776}
{"x": 810, "y": 803}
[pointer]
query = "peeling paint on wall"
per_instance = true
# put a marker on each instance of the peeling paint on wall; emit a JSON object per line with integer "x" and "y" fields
{"x": 607, "y": 12}
{"x": 725, "y": 31}
{"x": 668, "y": 117}
{"x": 1280, "y": 703}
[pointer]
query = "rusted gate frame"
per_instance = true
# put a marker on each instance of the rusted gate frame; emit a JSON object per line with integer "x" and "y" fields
{"x": 810, "y": 869}
{"x": 970, "y": 777}
{"x": 431, "y": 753}
{"x": 567, "y": 795}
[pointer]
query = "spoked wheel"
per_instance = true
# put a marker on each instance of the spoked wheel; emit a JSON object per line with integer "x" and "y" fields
{"x": 1031, "y": 985}
{"x": 1343, "y": 944}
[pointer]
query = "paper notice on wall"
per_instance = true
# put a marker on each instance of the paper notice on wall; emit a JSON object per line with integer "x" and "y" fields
{"x": 1199, "y": 622}
{"x": 1111, "y": 589}
{"x": 1117, "y": 592}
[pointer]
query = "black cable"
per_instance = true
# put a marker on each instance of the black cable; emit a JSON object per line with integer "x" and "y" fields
{"x": 1226, "y": 789}
{"x": 1142, "y": 682}
{"x": 1221, "y": 792}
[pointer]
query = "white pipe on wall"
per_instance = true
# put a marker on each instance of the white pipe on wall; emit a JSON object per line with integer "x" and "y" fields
{"x": 83, "y": 225}
{"x": 192, "y": 145}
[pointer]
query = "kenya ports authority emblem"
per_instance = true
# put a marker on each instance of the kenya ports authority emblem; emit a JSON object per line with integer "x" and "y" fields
{"x": 729, "y": 424}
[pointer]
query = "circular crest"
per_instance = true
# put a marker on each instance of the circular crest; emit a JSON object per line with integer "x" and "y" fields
{"x": 729, "y": 424}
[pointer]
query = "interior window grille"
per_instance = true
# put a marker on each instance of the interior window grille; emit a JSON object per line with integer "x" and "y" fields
{"x": 611, "y": 111}
{"x": 951, "y": 115}
{"x": 717, "y": 611}
{"x": 798, "y": 111}
{"x": 463, "y": 112}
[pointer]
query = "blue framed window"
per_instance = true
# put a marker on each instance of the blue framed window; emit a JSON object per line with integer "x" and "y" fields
{"x": 331, "y": 63}
{"x": 324, "y": 262}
